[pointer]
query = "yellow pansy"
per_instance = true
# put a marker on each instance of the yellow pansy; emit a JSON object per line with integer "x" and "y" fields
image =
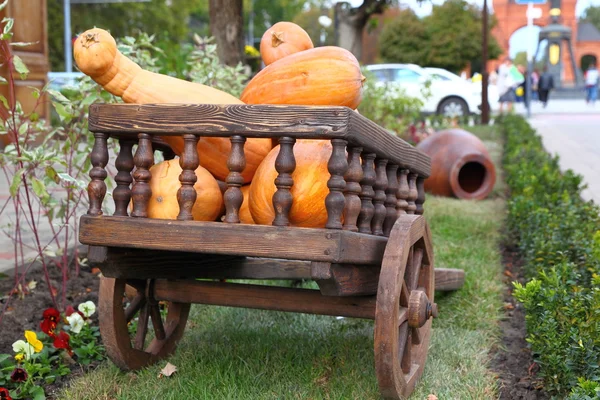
{"x": 34, "y": 341}
{"x": 19, "y": 357}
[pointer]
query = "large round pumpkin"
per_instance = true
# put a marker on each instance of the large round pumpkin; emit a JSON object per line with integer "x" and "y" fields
{"x": 282, "y": 39}
{"x": 96, "y": 55}
{"x": 165, "y": 184}
{"x": 309, "y": 189}
{"x": 323, "y": 76}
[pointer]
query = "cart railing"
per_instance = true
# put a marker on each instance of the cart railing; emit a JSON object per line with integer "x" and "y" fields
{"x": 374, "y": 176}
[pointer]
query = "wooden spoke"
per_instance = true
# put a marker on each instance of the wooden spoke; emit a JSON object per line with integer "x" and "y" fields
{"x": 132, "y": 352}
{"x": 404, "y": 304}
{"x": 159, "y": 329}
{"x": 136, "y": 304}
{"x": 142, "y": 328}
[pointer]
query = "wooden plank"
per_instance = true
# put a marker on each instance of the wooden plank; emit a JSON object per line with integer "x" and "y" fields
{"x": 346, "y": 279}
{"x": 447, "y": 279}
{"x": 154, "y": 264}
{"x": 325, "y": 245}
{"x": 265, "y": 121}
{"x": 264, "y": 298}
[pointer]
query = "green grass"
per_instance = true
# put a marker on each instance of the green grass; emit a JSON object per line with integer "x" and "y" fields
{"x": 229, "y": 353}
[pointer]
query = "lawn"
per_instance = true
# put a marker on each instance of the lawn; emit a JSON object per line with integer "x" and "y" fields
{"x": 229, "y": 353}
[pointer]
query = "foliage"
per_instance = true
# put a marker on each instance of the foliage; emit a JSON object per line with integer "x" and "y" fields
{"x": 309, "y": 21}
{"x": 45, "y": 356}
{"x": 558, "y": 235}
{"x": 591, "y": 15}
{"x": 170, "y": 19}
{"x": 268, "y": 12}
{"x": 449, "y": 38}
{"x": 389, "y": 106}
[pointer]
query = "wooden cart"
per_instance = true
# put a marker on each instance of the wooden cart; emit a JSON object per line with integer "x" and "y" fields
{"x": 373, "y": 260}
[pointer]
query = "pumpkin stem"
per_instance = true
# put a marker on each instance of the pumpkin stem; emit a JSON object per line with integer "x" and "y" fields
{"x": 362, "y": 79}
{"x": 89, "y": 39}
{"x": 277, "y": 39}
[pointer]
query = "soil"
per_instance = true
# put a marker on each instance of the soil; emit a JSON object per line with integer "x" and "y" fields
{"x": 512, "y": 360}
{"x": 26, "y": 313}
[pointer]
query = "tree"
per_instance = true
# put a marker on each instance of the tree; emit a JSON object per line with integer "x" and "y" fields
{"x": 404, "y": 39}
{"x": 449, "y": 38}
{"x": 168, "y": 19}
{"x": 592, "y": 15}
{"x": 227, "y": 26}
{"x": 351, "y": 22}
{"x": 309, "y": 21}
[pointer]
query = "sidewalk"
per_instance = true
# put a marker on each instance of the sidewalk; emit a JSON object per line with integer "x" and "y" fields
{"x": 575, "y": 138}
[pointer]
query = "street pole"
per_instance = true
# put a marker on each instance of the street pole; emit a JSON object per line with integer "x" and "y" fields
{"x": 485, "y": 111}
{"x": 68, "y": 44}
{"x": 529, "y": 59}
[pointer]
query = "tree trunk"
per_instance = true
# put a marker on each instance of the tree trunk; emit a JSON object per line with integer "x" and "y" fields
{"x": 350, "y": 23}
{"x": 226, "y": 25}
{"x": 349, "y": 29}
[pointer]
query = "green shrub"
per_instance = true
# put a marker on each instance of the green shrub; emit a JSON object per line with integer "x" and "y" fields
{"x": 558, "y": 235}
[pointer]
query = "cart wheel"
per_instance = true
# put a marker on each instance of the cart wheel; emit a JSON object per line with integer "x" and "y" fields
{"x": 404, "y": 307}
{"x": 134, "y": 353}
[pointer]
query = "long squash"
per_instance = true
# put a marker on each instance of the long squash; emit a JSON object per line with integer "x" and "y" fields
{"x": 96, "y": 55}
{"x": 326, "y": 76}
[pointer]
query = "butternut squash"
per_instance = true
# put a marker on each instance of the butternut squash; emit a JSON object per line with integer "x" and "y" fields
{"x": 321, "y": 76}
{"x": 96, "y": 55}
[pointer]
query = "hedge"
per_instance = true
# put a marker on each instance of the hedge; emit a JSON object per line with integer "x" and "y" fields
{"x": 558, "y": 234}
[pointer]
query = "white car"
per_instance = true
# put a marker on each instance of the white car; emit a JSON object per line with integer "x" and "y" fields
{"x": 446, "y": 97}
{"x": 445, "y": 75}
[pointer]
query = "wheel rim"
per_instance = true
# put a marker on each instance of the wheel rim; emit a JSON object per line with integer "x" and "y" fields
{"x": 404, "y": 307}
{"x": 130, "y": 352}
{"x": 453, "y": 109}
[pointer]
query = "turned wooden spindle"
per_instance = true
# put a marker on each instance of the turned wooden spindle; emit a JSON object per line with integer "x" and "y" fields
{"x": 381, "y": 182}
{"x": 186, "y": 195}
{"x": 285, "y": 164}
{"x": 402, "y": 193}
{"x": 412, "y": 193}
{"x": 97, "y": 187}
{"x": 143, "y": 160}
{"x": 335, "y": 200}
{"x": 124, "y": 165}
{"x": 367, "y": 193}
{"x": 233, "y": 196}
{"x": 421, "y": 195}
{"x": 353, "y": 176}
{"x": 390, "y": 199}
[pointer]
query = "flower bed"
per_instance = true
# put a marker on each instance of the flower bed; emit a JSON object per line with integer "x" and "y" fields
{"x": 559, "y": 237}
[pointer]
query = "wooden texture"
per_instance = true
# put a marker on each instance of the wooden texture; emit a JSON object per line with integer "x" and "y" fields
{"x": 447, "y": 279}
{"x": 114, "y": 319}
{"x": 285, "y": 164}
{"x": 404, "y": 306}
{"x": 141, "y": 192}
{"x": 97, "y": 187}
{"x": 186, "y": 194}
{"x": 123, "y": 179}
{"x": 118, "y": 262}
{"x": 233, "y": 197}
{"x": 337, "y": 246}
{"x": 345, "y": 279}
{"x": 264, "y": 298}
{"x": 367, "y": 210}
{"x": 352, "y": 177}
{"x": 380, "y": 187}
{"x": 335, "y": 200}
{"x": 266, "y": 121}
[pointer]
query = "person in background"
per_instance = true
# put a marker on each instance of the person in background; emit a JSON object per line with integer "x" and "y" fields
{"x": 591, "y": 84}
{"x": 545, "y": 85}
{"x": 506, "y": 85}
{"x": 535, "y": 79}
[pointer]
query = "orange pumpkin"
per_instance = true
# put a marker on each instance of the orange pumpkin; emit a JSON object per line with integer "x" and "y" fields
{"x": 165, "y": 184}
{"x": 281, "y": 40}
{"x": 321, "y": 76}
{"x": 309, "y": 189}
{"x": 245, "y": 216}
{"x": 96, "y": 55}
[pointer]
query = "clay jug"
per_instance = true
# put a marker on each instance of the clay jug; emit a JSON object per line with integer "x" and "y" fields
{"x": 460, "y": 165}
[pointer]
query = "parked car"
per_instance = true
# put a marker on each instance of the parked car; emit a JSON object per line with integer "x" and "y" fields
{"x": 446, "y": 97}
{"x": 445, "y": 75}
